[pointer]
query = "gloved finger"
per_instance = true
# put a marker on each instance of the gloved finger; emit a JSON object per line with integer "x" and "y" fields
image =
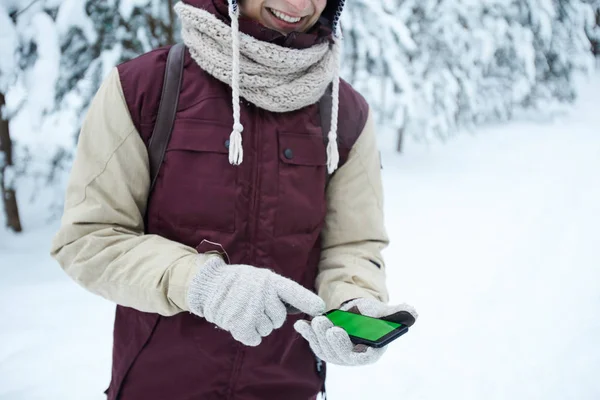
{"x": 345, "y": 349}
{"x": 340, "y": 342}
{"x": 298, "y": 296}
{"x": 321, "y": 325}
{"x": 305, "y": 329}
{"x": 275, "y": 309}
{"x": 264, "y": 326}
{"x": 247, "y": 336}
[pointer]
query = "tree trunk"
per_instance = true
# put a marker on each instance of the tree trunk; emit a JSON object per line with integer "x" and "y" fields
{"x": 400, "y": 142}
{"x": 596, "y": 42}
{"x": 8, "y": 193}
{"x": 171, "y": 27}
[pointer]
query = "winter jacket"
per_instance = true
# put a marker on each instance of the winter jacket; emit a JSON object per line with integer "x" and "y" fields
{"x": 140, "y": 249}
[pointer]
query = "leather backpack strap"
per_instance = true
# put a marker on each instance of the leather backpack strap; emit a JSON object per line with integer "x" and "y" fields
{"x": 325, "y": 113}
{"x": 167, "y": 109}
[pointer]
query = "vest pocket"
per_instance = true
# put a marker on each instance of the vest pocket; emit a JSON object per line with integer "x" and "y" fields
{"x": 198, "y": 184}
{"x": 301, "y": 205}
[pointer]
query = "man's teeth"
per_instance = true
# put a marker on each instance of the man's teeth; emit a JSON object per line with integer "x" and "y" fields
{"x": 284, "y": 17}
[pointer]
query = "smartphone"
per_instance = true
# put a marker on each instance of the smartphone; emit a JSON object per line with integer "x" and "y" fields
{"x": 373, "y": 332}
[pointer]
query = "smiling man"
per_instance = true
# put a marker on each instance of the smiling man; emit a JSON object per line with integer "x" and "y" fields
{"x": 265, "y": 212}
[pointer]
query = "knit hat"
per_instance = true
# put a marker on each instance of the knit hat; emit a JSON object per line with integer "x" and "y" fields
{"x": 331, "y": 13}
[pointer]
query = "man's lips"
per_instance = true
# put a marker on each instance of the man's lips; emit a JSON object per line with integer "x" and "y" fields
{"x": 292, "y": 18}
{"x": 283, "y": 21}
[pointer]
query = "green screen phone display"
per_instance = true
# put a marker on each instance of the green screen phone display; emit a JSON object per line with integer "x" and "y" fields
{"x": 360, "y": 326}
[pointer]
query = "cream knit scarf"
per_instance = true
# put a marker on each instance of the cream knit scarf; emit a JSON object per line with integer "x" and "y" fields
{"x": 272, "y": 77}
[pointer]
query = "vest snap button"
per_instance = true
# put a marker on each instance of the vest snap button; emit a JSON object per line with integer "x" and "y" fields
{"x": 288, "y": 153}
{"x": 227, "y": 144}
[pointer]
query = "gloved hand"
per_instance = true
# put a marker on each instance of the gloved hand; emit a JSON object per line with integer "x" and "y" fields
{"x": 246, "y": 301}
{"x": 332, "y": 344}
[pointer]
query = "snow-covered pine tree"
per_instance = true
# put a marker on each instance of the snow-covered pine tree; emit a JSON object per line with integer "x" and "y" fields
{"x": 8, "y": 67}
{"x": 520, "y": 35}
{"x": 29, "y": 55}
{"x": 570, "y": 51}
{"x": 447, "y": 66}
{"x": 113, "y": 32}
{"x": 148, "y": 24}
{"x": 378, "y": 49}
{"x": 470, "y": 62}
{"x": 54, "y": 56}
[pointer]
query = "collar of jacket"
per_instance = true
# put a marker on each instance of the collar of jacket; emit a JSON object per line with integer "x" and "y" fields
{"x": 319, "y": 33}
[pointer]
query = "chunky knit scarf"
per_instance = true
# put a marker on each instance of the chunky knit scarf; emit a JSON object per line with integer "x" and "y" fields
{"x": 272, "y": 77}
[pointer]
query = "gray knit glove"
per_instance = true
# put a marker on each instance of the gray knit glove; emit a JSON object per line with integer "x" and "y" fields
{"x": 333, "y": 345}
{"x": 246, "y": 301}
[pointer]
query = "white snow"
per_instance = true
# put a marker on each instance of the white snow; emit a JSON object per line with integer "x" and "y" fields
{"x": 72, "y": 14}
{"x": 40, "y": 81}
{"x": 8, "y": 48}
{"x": 495, "y": 240}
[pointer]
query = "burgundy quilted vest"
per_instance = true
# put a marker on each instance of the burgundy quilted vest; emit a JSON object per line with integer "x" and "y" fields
{"x": 267, "y": 212}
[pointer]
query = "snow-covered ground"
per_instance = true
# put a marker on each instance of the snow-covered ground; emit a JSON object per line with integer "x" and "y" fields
{"x": 495, "y": 240}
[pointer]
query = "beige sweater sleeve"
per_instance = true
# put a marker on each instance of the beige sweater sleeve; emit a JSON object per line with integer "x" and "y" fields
{"x": 101, "y": 242}
{"x": 351, "y": 265}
